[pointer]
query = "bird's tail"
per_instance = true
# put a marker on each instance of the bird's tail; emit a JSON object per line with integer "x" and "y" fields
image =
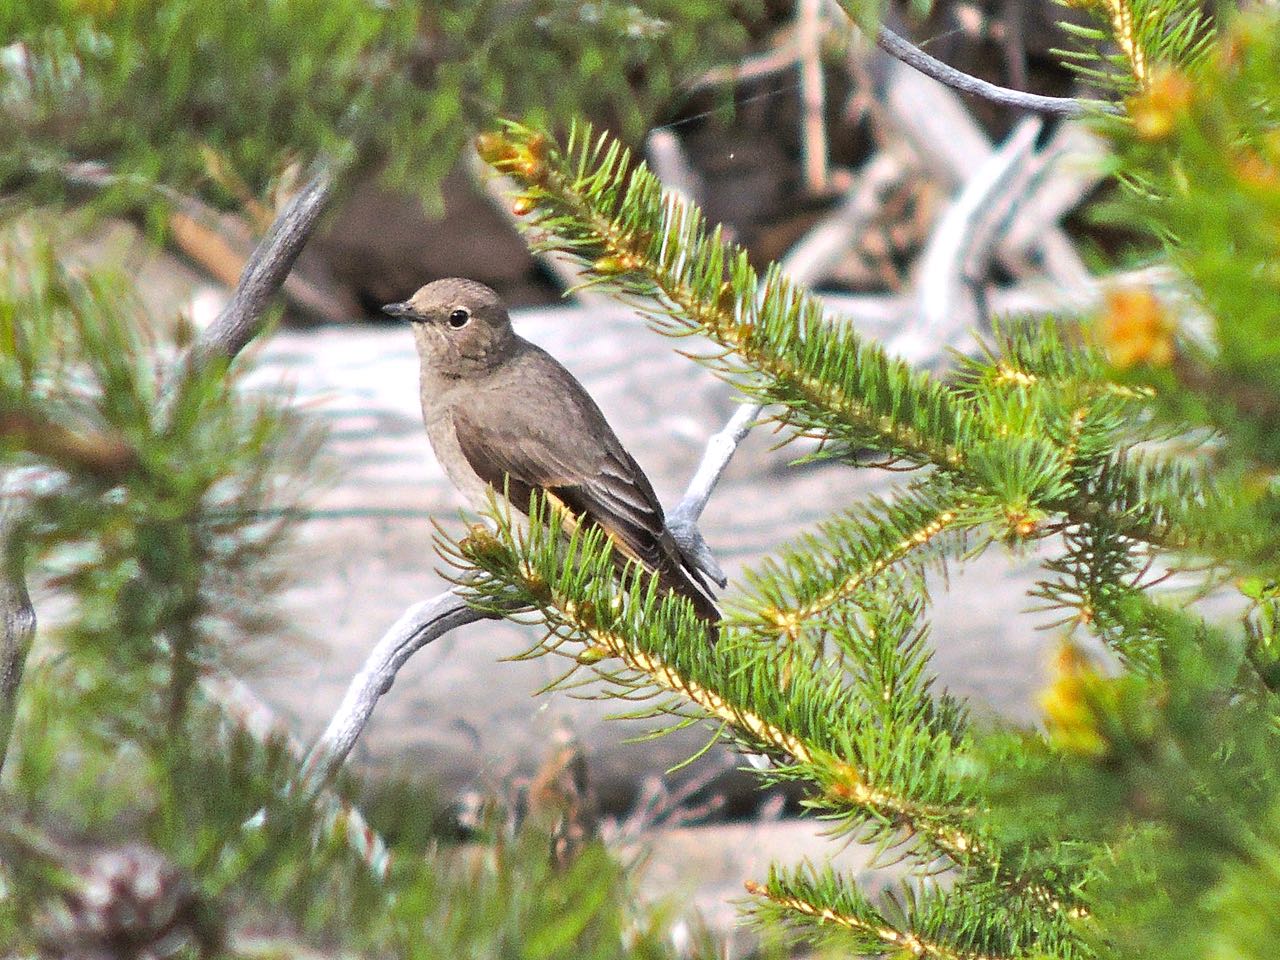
{"x": 689, "y": 582}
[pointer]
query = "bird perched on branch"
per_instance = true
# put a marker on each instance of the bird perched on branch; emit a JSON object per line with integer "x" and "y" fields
{"x": 504, "y": 415}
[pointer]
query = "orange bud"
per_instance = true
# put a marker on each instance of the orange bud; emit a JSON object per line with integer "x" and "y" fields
{"x": 1069, "y": 713}
{"x": 1252, "y": 170}
{"x": 494, "y": 148}
{"x": 1155, "y": 111}
{"x": 523, "y": 205}
{"x": 539, "y": 147}
{"x": 1134, "y": 328}
{"x": 531, "y": 170}
{"x": 1021, "y": 523}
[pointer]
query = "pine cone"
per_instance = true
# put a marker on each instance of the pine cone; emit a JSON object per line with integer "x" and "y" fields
{"x": 128, "y": 903}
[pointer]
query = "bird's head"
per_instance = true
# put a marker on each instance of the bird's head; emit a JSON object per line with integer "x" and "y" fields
{"x": 457, "y": 323}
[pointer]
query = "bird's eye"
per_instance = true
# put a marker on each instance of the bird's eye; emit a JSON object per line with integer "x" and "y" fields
{"x": 459, "y": 317}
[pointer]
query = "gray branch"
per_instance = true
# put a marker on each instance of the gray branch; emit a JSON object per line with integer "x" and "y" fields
{"x": 683, "y": 520}
{"x": 242, "y": 318}
{"x": 418, "y": 626}
{"x": 17, "y": 621}
{"x": 431, "y": 619}
{"x": 914, "y": 57}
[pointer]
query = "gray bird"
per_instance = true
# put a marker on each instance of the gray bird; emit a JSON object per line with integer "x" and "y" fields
{"x": 502, "y": 413}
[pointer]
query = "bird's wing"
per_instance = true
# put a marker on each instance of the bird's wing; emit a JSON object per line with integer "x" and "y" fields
{"x": 524, "y": 456}
{"x": 539, "y": 446}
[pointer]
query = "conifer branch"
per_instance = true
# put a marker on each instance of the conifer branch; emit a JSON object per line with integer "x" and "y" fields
{"x": 1147, "y": 32}
{"x": 1126, "y": 37}
{"x": 655, "y": 249}
{"x": 946, "y": 831}
{"x": 871, "y": 925}
{"x": 738, "y": 682}
{"x": 566, "y": 613}
{"x": 845, "y": 788}
{"x": 857, "y": 549}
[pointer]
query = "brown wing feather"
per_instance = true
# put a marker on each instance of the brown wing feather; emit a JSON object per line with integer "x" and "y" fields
{"x": 527, "y": 447}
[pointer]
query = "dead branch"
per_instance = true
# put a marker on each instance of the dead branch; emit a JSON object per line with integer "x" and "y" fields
{"x": 243, "y": 317}
{"x": 17, "y": 620}
{"x": 902, "y": 49}
{"x": 431, "y": 619}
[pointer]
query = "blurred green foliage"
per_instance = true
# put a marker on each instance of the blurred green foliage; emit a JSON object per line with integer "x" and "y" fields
{"x": 1140, "y": 821}
{"x": 224, "y": 98}
{"x": 150, "y": 488}
{"x": 147, "y": 514}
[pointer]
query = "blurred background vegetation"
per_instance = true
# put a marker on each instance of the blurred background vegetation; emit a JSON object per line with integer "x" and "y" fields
{"x": 147, "y": 810}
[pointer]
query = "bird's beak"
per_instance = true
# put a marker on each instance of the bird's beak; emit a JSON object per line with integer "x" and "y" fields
{"x": 397, "y": 309}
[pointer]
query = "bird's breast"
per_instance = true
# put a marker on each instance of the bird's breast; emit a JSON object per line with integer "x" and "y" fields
{"x": 444, "y": 442}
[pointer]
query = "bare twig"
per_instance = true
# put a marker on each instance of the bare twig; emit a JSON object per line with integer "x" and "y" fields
{"x": 418, "y": 626}
{"x": 683, "y": 520}
{"x": 242, "y": 318}
{"x": 17, "y": 620}
{"x": 431, "y": 619}
{"x": 934, "y": 122}
{"x": 105, "y": 454}
{"x": 914, "y": 57}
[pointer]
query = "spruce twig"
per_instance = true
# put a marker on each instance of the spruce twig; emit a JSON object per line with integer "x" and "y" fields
{"x": 875, "y": 930}
{"x": 427, "y": 621}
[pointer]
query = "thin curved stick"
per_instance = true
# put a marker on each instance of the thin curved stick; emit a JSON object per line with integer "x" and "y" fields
{"x": 242, "y": 318}
{"x": 431, "y": 619}
{"x": 902, "y": 49}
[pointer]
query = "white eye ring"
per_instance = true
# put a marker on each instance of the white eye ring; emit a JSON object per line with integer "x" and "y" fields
{"x": 459, "y": 317}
